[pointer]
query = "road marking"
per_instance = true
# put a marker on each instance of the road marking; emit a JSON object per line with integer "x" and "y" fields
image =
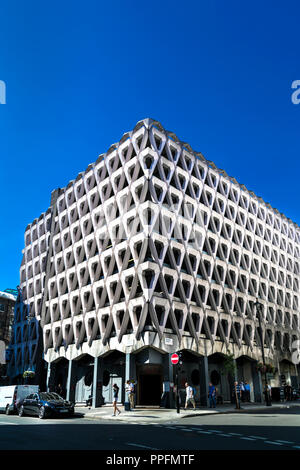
{"x": 170, "y": 427}
{"x": 224, "y": 435}
{"x": 187, "y": 430}
{"x": 7, "y": 422}
{"x": 235, "y": 434}
{"x": 258, "y": 437}
{"x": 247, "y": 438}
{"x": 285, "y": 442}
{"x": 214, "y": 430}
{"x": 273, "y": 442}
{"x": 204, "y": 432}
{"x": 296, "y": 447}
{"x": 139, "y": 445}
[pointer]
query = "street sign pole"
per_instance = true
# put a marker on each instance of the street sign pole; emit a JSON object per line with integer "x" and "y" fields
{"x": 177, "y": 388}
{"x": 175, "y": 361}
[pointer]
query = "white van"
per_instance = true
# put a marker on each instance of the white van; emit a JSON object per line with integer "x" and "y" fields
{"x": 12, "y": 395}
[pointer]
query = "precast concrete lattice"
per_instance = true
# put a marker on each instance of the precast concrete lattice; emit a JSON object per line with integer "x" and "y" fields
{"x": 154, "y": 238}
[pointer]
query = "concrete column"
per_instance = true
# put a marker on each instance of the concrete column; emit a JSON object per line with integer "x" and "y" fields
{"x": 127, "y": 377}
{"x": 48, "y": 379}
{"x": 71, "y": 381}
{"x": 204, "y": 380}
{"x": 97, "y": 383}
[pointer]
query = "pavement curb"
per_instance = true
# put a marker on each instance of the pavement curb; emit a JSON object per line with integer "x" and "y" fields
{"x": 182, "y": 414}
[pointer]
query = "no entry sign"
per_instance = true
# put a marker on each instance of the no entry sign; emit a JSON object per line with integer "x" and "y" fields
{"x": 174, "y": 358}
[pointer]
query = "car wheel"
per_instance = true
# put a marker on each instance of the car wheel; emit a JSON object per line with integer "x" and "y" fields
{"x": 42, "y": 412}
{"x": 7, "y": 410}
{"x": 21, "y": 411}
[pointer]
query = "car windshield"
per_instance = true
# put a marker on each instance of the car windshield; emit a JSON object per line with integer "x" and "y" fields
{"x": 50, "y": 396}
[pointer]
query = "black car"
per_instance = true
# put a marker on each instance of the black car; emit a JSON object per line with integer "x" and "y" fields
{"x": 46, "y": 405}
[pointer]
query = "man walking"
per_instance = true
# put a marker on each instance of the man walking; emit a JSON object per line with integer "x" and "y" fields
{"x": 212, "y": 393}
{"x": 189, "y": 396}
{"x": 132, "y": 394}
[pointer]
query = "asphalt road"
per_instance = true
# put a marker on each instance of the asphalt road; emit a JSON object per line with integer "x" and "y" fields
{"x": 271, "y": 430}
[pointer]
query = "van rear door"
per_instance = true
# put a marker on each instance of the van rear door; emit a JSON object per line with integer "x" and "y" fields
{"x": 6, "y": 396}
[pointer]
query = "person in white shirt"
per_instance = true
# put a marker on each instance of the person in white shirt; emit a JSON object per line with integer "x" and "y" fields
{"x": 189, "y": 396}
{"x": 130, "y": 389}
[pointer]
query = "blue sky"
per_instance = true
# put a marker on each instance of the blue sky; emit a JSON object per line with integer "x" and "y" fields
{"x": 80, "y": 74}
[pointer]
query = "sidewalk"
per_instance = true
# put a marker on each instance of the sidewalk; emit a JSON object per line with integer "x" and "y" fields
{"x": 154, "y": 414}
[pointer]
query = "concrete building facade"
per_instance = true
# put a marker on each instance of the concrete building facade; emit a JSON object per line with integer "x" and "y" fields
{"x": 24, "y": 342}
{"x": 152, "y": 250}
{"x": 7, "y": 303}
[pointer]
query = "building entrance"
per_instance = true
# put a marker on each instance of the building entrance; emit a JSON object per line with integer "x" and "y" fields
{"x": 150, "y": 385}
{"x": 150, "y": 390}
{"x": 84, "y": 378}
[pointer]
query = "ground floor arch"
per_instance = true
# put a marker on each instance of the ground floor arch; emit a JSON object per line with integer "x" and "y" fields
{"x": 58, "y": 376}
{"x": 288, "y": 374}
{"x": 84, "y": 378}
{"x": 112, "y": 371}
{"x": 221, "y": 377}
{"x": 248, "y": 373}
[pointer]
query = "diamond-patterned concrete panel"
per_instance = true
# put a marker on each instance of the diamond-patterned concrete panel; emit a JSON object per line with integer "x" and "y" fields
{"x": 153, "y": 237}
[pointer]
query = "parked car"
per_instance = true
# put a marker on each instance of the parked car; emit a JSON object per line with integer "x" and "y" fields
{"x": 46, "y": 405}
{"x": 12, "y": 396}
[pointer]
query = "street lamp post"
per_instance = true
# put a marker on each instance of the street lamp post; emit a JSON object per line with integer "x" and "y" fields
{"x": 28, "y": 318}
{"x": 259, "y": 311}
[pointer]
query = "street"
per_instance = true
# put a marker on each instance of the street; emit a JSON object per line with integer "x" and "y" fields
{"x": 265, "y": 430}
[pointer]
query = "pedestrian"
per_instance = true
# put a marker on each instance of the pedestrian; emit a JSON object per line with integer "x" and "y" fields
{"x": 289, "y": 392}
{"x": 115, "y": 399}
{"x": 127, "y": 390}
{"x": 268, "y": 394}
{"x": 89, "y": 401}
{"x": 212, "y": 393}
{"x": 285, "y": 392}
{"x": 189, "y": 396}
{"x": 59, "y": 390}
{"x": 131, "y": 393}
{"x": 237, "y": 395}
{"x": 242, "y": 387}
{"x": 247, "y": 392}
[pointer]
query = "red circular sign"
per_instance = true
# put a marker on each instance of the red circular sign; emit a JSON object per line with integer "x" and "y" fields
{"x": 174, "y": 358}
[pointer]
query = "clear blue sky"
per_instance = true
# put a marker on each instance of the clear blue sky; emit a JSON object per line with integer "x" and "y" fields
{"x": 81, "y": 73}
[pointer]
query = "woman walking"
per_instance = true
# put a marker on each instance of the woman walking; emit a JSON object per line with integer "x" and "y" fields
{"x": 115, "y": 399}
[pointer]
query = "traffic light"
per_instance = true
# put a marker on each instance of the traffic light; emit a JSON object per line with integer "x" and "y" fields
{"x": 180, "y": 354}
